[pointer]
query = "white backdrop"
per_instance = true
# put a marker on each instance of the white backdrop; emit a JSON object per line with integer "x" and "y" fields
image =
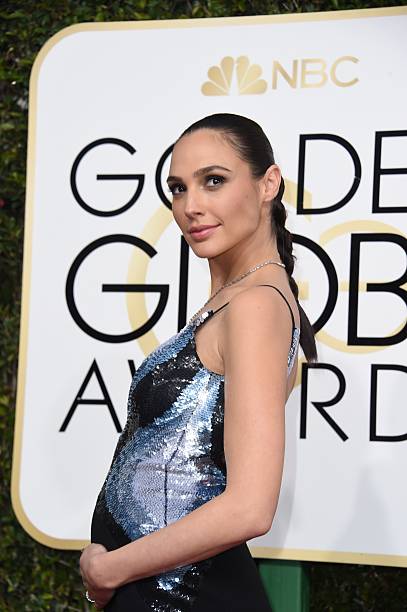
{"x": 330, "y": 91}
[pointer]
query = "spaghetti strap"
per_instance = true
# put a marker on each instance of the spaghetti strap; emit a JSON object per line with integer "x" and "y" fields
{"x": 286, "y": 301}
{"x": 212, "y": 312}
{"x": 220, "y": 308}
{"x": 206, "y": 315}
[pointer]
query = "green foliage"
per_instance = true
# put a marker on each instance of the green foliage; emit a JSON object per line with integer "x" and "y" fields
{"x": 34, "y": 577}
{"x": 357, "y": 588}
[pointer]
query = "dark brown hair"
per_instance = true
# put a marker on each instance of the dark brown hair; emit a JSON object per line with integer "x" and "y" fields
{"x": 253, "y": 146}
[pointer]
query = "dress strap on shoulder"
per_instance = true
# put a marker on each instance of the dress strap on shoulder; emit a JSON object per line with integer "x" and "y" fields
{"x": 286, "y": 301}
{"x": 212, "y": 312}
{"x": 220, "y": 308}
{"x": 206, "y": 315}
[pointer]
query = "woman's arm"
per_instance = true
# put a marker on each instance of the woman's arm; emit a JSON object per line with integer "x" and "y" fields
{"x": 254, "y": 350}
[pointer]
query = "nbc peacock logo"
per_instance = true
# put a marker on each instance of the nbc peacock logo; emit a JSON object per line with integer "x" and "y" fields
{"x": 247, "y": 79}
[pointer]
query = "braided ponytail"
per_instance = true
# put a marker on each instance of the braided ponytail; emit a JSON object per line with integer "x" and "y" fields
{"x": 253, "y": 147}
{"x": 285, "y": 248}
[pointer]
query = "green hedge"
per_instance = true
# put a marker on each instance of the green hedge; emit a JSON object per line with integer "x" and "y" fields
{"x": 34, "y": 577}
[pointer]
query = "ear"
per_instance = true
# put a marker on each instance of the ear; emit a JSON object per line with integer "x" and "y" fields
{"x": 271, "y": 182}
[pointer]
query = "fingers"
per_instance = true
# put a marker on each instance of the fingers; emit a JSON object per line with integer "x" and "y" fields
{"x": 101, "y": 603}
{"x": 100, "y": 600}
{"x": 90, "y": 597}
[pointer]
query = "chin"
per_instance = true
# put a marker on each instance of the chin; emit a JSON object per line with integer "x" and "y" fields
{"x": 203, "y": 253}
{"x": 207, "y": 251}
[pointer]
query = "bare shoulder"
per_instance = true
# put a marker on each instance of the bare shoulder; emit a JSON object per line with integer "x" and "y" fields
{"x": 259, "y": 304}
{"x": 255, "y": 316}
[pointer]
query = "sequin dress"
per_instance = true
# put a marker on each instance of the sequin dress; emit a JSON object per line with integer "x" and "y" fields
{"x": 169, "y": 460}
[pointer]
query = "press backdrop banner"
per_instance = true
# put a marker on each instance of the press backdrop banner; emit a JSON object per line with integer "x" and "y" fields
{"x": 107, "y": 276}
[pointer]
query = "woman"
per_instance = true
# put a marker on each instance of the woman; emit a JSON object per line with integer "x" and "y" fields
{"x": 197, "y": 469}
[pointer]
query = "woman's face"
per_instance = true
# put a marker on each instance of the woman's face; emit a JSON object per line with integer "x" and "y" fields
{"x": 216, "y": 202}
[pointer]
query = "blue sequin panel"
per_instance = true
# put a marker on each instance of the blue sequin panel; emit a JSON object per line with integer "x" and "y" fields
{"x": 164, "y": 471}
{"x": 166, "y": 468}
{"x": 293, "y": 349}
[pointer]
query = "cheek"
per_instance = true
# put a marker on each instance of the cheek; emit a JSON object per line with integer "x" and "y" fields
{"x": 243, "y": 214}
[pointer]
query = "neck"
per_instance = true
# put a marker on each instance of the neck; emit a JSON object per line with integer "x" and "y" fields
{"x": 231, "y": 264}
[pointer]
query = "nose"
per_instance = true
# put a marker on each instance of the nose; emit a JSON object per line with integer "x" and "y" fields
{"x": 193, "y": 204}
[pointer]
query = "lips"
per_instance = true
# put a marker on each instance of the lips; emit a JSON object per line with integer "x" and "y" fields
{"x": 202, "y": 231}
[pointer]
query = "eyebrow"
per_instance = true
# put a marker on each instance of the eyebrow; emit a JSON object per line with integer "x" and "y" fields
{"x": 200, "y": 172}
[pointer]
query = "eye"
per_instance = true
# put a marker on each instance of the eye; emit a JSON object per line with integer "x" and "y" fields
{"x": 176, "y": 188}
{"x": 214, "y": 180}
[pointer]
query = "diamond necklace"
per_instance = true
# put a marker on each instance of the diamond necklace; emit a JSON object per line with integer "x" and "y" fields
{"x": 236, "y": 280}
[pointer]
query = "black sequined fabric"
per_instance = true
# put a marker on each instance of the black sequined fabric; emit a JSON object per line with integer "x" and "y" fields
{"x": 169, "y": 460}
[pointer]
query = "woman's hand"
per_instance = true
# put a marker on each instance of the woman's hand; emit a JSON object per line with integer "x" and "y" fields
{"x": 91, "y": 579}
